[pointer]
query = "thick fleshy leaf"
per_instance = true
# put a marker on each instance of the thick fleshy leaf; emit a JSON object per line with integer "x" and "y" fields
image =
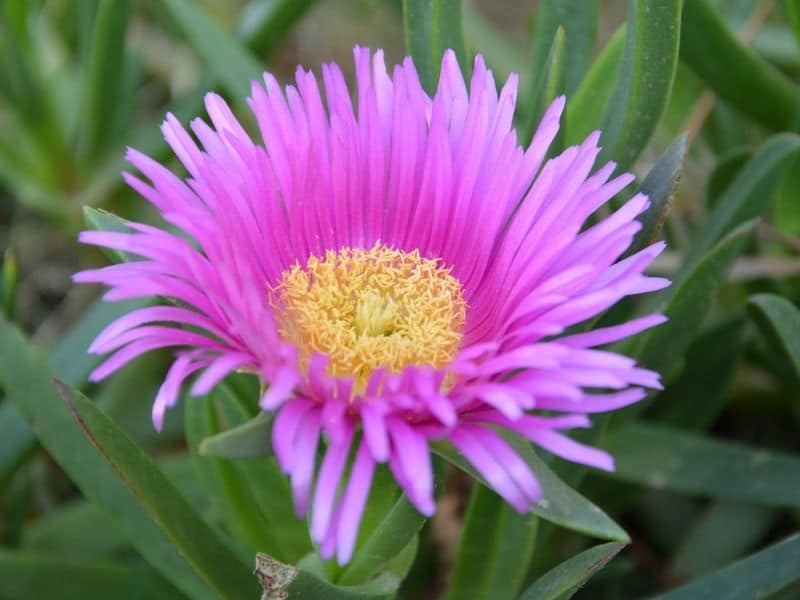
{"x": 548, "y": 83}
{"x": 563, "y": 580}
{"x": 248, "y": 440}
{"x": 779, "y": 321}
{"x": 431, "y": 27}
{"x": 230, "y": 62}
{"x": 749, "y": 195}
{"x": 79, "y": 529}
{"x": 495, "y": 549}
{"x": 395, "y": 532}
{"x": 579, "y": 20}
{"x": 659, "y": 186}
{"x": 645, "y": 79}
{"x": 664, "y": 458}
{"x": 26, "y": 575}
{"x": 689, "y": 301}
{"x": 82, "y": 529}
{"x": 757, "y": 576}
{"x": 727, "y": 167}
{"x": 8, "y": 284}
{"x": 725, "y": 532}
{"x": 280, "y": 580}
{"x": 730, "y": 69}
{"x": 561, "y": 504}
{"x": 261, "y": 478}
{"x": 500, "y": 52}
{"x": 28, "y": 385}
{"x": 17, "y": 440}
{"x": 583, "y": 115}
{"x": 695, "y": 399}
{"x": 102, "y": 84}
{"x": 263, "y": 25}
{"x": 191, "y": 536}
{"x": 229, "y": 494}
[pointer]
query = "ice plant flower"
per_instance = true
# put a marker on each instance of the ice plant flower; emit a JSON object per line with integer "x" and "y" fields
{"x": 397, "y": 269}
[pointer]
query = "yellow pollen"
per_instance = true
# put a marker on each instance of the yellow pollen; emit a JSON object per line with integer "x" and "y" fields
{"x": 370, "y": 309}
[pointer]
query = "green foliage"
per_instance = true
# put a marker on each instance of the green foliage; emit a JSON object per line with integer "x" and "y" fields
{"x": 647, "y": 69}
{"x": 759, "y": 576}
{"x": 495, "y": 548}
{"x": 566, "y": 578}
{"x": 711, "y": 50}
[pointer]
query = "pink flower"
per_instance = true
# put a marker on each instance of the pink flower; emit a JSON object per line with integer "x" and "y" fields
{"x": 397, "y": 271}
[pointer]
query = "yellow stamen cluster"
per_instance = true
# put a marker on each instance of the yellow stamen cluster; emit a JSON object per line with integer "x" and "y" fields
{"x": 367, "y": 309}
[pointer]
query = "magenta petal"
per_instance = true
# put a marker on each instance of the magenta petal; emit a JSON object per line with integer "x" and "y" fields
{"x": 328, "y": 480}
{"x": 285, "y": 428}
{"x": 305, "y": 452}
{"x": 488, "y": 466}
{"x": 562, "y": 446}
{"x": 353, "y": 502}
{"x": 167, "y": 395}
{"x": 413, "y": 458}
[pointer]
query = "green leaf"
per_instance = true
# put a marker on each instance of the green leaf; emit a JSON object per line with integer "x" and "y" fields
{"x": 786, "y": 212}
{"x": 102, "y": 85}
{"x": 582, "y": 114}
{"x": 249, "y": 440}
{"x": 231, "y": 63}
{"x": 561, "y": 504}
{"x": 723, "y": 533}
{"x": 664, "y": 458}
{"x": 659, "y": 186}
{"x": 500, "y": 52}
{"x": 78, "y": 529}
{"x": 730, "y": 69}
{"x": 724, "y": 172}
{"x": 566, "y": 578}
{"x": 280, "y": 580}
{"x": 578, "y": 18}
{"x": 192, "y": 537}
{"x": 17, "y": 440}
{"x": 757, "y": 576}
{"x": 265, "y": 481}
{"x": 264, "y": 24}
{"x": 779, "y": 322}
{"x": 689, "y": 301}
{"x": 495, "y": 549}
{"x": 749, "y": 194}
{"x": 694, "y": 400}
{"x": 8, "y": 284}
{"x": 26, "y": 575}
{"x": 647, "y": 71}
{"x": 549, "y": 82}
{"x": 394, "y": 533}
{"x": 229, "y": 491}
{"x": 81, "y": 528}
{"x": 27, "y": 384}
{"x": 792, "y": 10}
{"x": 431, "y": 27}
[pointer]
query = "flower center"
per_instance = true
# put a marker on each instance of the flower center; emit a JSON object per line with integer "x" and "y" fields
{"x": 370, "y": 309}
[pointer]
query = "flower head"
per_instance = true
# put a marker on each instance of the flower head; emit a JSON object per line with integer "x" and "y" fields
{"x": 396, "y": 269}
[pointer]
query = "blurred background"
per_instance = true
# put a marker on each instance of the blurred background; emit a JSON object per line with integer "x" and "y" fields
{"x": 82, "y": 79}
